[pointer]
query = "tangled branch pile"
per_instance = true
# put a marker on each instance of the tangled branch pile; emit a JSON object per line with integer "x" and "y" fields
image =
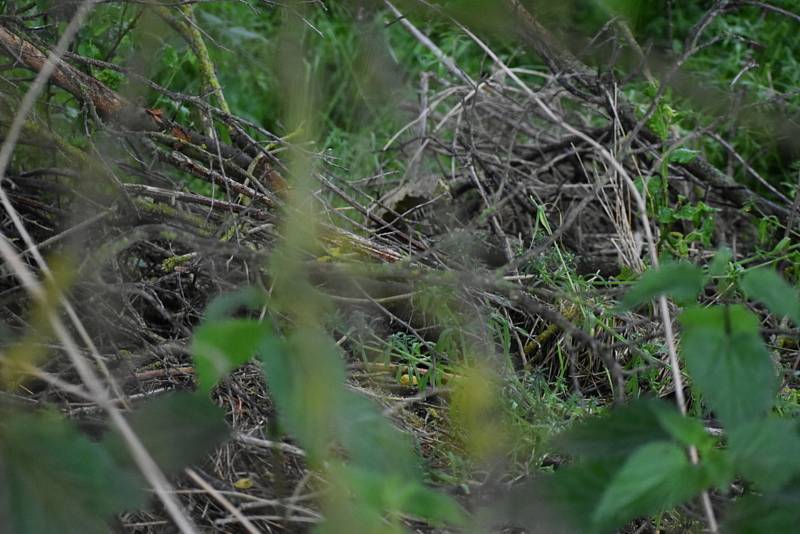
{"x": 482, "y": 210}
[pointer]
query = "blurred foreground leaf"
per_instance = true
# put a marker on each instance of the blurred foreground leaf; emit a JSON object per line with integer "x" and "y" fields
{"x": 220, "y": 346}
{"x": 681, "y": 281}
{"x": 178, "y": 429}
{"x": 767, "y": 287}
{"x": 767, "y": 451}
{"x": 728, "y": 362}
{"x": 656, "y": 477}
{"x": 54, "y": 480}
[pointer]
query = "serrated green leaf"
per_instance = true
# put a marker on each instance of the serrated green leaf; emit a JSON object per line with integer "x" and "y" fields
{"x": 765, "y": 513}
{"x": 178, "y": 429}
{"x": 686, "y": 430}
{"x": 728, "y": 362}
{"x": 656, "y": 477}
{"x": 54, "y": 480}
{"x": 306, "y": 380}
{"x": 220, "y": 346}
{"x": 681, "y": 281}
{"x": 770, "y": 289}
{"x": 615, "y": 434}
{"x": 767, "y": 451}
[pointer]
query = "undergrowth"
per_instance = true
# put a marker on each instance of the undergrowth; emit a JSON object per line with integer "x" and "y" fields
{"x": 406, "y": 297}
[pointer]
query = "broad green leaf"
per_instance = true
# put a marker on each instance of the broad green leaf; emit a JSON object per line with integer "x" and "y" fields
{"x": 220, "y": 346}
{"x": 767, "y": 287}
{"x": 616, "y": 434}
{"x": 54, "y": 480}
{"x": 656, "y": 477}
{"x": 403, "y": 495}
{"x": 686, "y": 430}
{"x": 728, "y": 362}
{"x": 562, "y": 502}
{"x": 767, "y": 451}
{"x": 719, "y": 468}
{"x": 773, "y": 512}
{"x": 681, "y": 281}
{"x": 306, "y": 380}
{"x": 178, "y": 429}
{"x": 223, "y": 306}
{"x": 683, "y": 155}
{"x": 372, "y": 441}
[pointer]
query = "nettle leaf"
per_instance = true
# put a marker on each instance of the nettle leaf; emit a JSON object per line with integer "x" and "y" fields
{"x": 565, "y": 501}
{"x": 728, "y": 362}
{"x": 656, "y": 477}
{"x": 767, "y": 451}
{"x": 774, "y": 512}
{"x": 681, "y": 281}
{"x": 54, "y": 480}
{"x": 625, "y": 429}
{"x": 220, "y": 346}
{"x": 686, "y": 430}
{"x": 178, "y": 429}
{"x": 306, "y": 380}
{"x": 770, "y": 289}
{"x": 372, "y": 441}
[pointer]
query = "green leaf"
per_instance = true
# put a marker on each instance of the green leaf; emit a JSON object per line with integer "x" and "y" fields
{"x": 561, "y": 502}
{"x": 683, "y": 155}
{"x": 403, "y": 495}
{"x": 682, "y": 281}
{"x": 178, "y": 429}
{"x": 767, "y": 287}
{"x": 686, "y": 430}
{"x": 765, "y": 514}
{"x": 656, "y": 477}
{"x": 220, "y": 346}
{"x": 728, "y": 362}
{"x": 372, "y": 441}
{"x": 306, "y": 379}
{"x": 54, "y": 480}
{"x": 618, "y": 433}
{"x": 223, "y": 306}
{"x": 767, "y": 451}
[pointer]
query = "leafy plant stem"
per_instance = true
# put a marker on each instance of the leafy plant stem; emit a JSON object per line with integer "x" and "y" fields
{"x": 642, "y": 208}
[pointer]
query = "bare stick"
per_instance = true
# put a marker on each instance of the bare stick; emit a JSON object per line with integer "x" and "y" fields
{"x": 220, "y": 498}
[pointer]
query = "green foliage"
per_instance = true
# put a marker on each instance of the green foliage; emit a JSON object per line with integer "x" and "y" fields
{"x": 726, "y": 358}
{"x": 767, "y": 451}
{"x": 306, "y": 379}
{"x": 682, "y": 281}
{"x": 53, "y": 479}
{"x": 221, "y": 346}
{"x": 654, "y": 478}
{"x": 178, "y": 430}
{"x": 633, "y": 460}
{"x": 768, "y": 288}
